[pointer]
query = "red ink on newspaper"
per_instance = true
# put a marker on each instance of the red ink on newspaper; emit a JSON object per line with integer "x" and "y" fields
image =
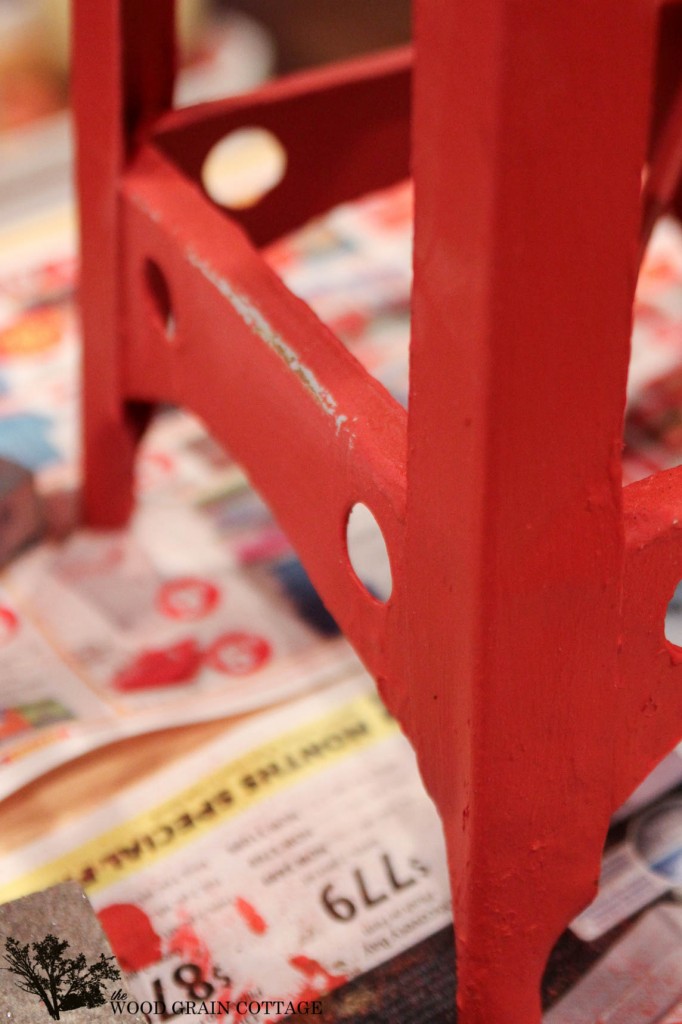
{"x": 188, "y": 599}
{"x": 238, "y": 654}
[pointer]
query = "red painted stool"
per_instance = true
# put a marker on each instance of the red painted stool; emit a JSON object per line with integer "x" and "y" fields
{"x": 523, "y": 645}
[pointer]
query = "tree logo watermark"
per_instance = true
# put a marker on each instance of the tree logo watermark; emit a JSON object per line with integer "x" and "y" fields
{"x": 60, "y": 981}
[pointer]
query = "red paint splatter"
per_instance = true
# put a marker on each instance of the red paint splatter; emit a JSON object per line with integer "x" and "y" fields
{"x": 131, "y": 935}
{"x": 188, "y": 599}
{"x": 9, "y": 625}
{"x": 238, "y": 654}
{"x": 191, "y": 947}
{"x": 250, "y": 915}
{"x": 313, "y": 970}
{"x": 165, "y": 667}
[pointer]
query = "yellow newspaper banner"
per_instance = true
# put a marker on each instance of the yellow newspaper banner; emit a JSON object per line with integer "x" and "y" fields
{"x": 232, "y": 789}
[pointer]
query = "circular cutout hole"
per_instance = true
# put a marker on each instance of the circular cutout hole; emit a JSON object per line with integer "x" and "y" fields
{"x": 368, "y": 553}
{"x": 159, "y": 292}
{"x": 243, "y": 167}
{"x": 673, "y": 619}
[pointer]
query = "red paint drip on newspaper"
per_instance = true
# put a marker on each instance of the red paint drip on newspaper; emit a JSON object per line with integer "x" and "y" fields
{"x": 131, "y": 935}
{"x": 319, "y": 980}
{"x": 189, "y": 946}
{"x": 250, "y": 915}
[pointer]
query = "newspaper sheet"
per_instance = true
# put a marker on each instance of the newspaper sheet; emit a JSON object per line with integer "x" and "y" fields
{"x": 296, "y": 861}
{"x": 285, "y": 859}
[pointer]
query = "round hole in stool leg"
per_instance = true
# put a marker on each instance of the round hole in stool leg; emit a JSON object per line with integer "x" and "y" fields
{"x": 673, "y": 623}
{"x": 243, "y": 167}
{"x": 368, "y": 553}
{"x": 159, "y": 293}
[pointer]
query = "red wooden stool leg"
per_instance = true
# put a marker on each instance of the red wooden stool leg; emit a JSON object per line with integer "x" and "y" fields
{"x": 529, "y": 137}
{"x": 122, "y": 79}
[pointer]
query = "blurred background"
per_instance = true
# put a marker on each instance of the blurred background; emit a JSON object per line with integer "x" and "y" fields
{"x": 252, "y": 37}
{"x": 226, "y": 47}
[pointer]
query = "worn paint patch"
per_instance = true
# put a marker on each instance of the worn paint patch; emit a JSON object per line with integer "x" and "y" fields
{"x": 255, "y": 320}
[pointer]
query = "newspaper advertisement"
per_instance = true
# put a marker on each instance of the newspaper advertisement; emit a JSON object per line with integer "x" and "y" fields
{"x": 277, "y": 865}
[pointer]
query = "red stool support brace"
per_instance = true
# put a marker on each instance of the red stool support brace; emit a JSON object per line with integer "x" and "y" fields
{"x": 523, "y": 645}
